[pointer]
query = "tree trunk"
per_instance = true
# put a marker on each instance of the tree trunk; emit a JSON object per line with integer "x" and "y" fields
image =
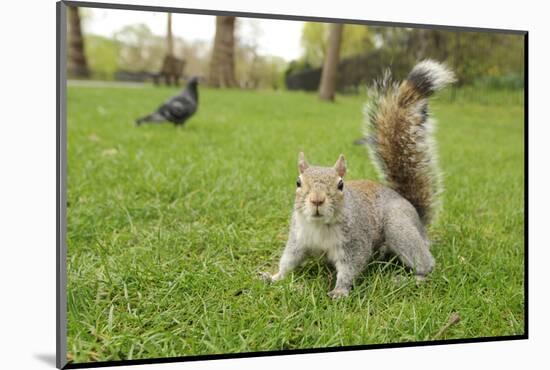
{"x": 222, "y": 63}
{"x": 169, "y": 39}
{"x": 457, "y": 63}
{"x": 330, "y": 66}
{"x": 77, "y": 66}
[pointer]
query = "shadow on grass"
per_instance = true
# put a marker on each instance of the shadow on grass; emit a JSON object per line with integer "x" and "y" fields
{"x": 386, "y": 266}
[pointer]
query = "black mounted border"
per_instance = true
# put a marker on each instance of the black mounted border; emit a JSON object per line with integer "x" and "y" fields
{"x": 61, "y": 172}
{"x": 225, "y": 356}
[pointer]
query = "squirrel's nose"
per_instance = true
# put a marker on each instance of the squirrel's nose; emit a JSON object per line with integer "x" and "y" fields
{"x": 317, "y": 201}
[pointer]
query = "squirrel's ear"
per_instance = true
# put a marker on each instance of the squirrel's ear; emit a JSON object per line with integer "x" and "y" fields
{"x": 302, "y": 163}
{"x": 340, "y": 166}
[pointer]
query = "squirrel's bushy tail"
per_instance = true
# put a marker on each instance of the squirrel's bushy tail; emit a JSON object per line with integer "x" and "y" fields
{"x": 400, "y": 134}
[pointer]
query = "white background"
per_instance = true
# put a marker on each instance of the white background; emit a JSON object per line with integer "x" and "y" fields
{"x": 27, "y": 203}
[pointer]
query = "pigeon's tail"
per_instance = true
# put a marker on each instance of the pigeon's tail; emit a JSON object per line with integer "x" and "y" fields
{"x": 153, "y": 117}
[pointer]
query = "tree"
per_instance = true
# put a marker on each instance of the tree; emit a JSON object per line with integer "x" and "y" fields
{"x": 222, "y": 63}
{"x": 475, "y": 57}
{"x": 328, "y": 76}
{"x": 197, "y": 55}
{"x": 169, "y": 38}
{"x": 78, "y": 65}
{"x": 139, "y": 49}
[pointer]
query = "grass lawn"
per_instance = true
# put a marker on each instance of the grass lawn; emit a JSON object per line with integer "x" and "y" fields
{"x": 168, "y": 227}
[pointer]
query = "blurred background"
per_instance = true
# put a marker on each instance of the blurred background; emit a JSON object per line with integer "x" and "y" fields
{"x": 246, "y": 53}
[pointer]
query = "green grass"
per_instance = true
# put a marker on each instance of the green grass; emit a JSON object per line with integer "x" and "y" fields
{"x": 167, "y": 227}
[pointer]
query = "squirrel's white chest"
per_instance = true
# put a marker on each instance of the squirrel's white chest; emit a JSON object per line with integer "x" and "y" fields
{"x": 320, "y": 238}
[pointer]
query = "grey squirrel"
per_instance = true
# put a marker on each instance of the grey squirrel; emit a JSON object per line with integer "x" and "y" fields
{"x": 351, "y": 221}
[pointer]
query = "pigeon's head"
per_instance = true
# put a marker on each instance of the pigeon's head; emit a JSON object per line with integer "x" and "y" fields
{"x": 194, "y": 81}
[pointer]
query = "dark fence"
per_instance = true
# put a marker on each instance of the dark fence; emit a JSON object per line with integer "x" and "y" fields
{"x": 132, "y": 76}
{"x": 306, "y": 80}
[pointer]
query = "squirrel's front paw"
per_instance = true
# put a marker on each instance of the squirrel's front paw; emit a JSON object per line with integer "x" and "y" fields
{"x": 421, "y": 279}
{"x": 338, "y": 293}
{"x": 266, "y": 276}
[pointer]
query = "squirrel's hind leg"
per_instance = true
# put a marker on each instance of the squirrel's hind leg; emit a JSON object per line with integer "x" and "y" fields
{"x": 404, "y": 237}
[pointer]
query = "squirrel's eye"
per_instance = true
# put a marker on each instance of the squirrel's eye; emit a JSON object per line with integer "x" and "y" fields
{"x": 298, "y": 183}
{"x": 341, "y": 185}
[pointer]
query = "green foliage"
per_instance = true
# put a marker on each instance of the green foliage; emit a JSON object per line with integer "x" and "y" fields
{"x": 102, "y": 54}
{"x": 270, "y": 72}
{"x": 255, "y": 71}
{"x": 135, "y": 48}
{"x": 472, "y": 55}
{"x": 139, "y": 49}
{"x": 493, "y": 59}
{"x": 313, "y": 42}
{"x": 167, "y": 227}
{"x": 356, "y": 39}
{"x": 478, "y": 55}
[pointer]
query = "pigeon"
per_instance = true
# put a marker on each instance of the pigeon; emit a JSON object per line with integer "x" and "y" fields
{"x": 178, "y": 108}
